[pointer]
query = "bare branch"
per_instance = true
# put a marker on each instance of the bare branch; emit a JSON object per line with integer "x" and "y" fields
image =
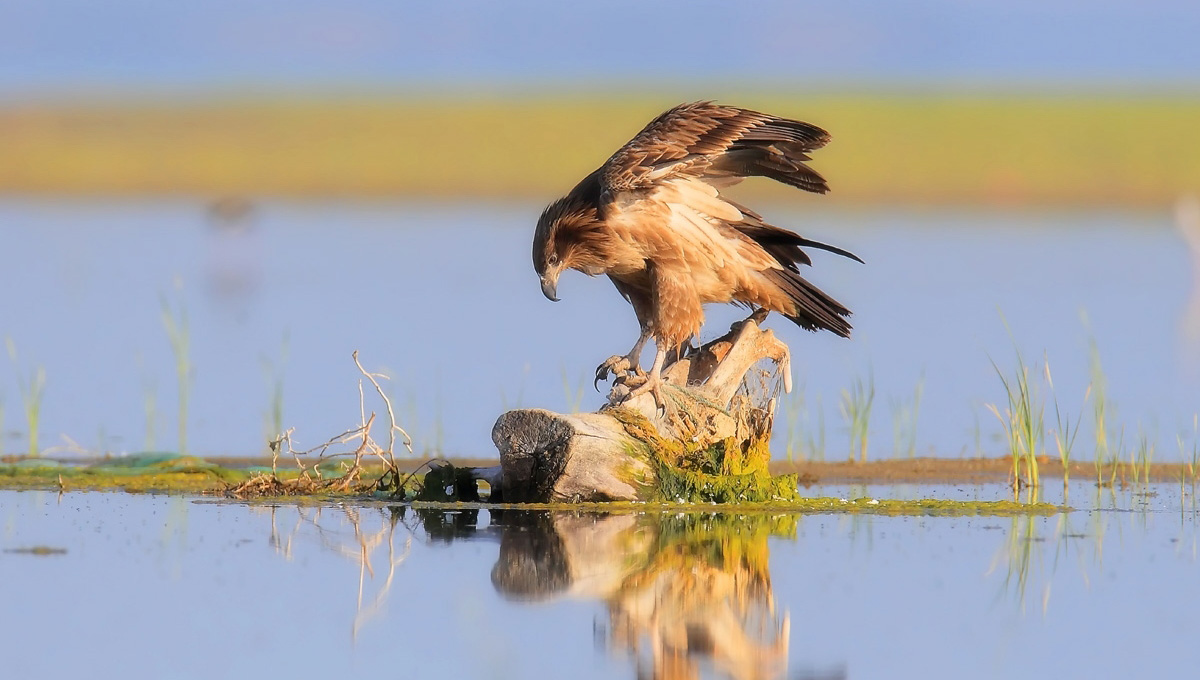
{"x": 391, "y": 414}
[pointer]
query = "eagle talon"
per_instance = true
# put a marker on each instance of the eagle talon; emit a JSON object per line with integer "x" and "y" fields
{"x": 631, "y": 385}
{"x": 633, "y": 381}
{"x": 616, "y": 366}
{"x": 653, "y": 385}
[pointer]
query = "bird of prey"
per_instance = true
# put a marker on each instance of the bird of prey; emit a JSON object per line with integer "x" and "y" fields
{"x": 653, "y": 219}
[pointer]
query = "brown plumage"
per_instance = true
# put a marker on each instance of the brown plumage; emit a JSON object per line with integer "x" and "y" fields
{"x": 652, "y": 218}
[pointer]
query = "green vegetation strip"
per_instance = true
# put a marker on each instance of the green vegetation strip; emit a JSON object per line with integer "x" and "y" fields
{"x": 864, "y": 506}
{"x": 916, "y": 148}
{"x": 161, "y": 474}
{"x": 189, "y": 475}
{"x": 158, "y": 473}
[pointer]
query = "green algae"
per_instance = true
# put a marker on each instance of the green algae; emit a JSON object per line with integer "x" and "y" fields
{"x": 798, "y": 506}
{"x": 730, "y": 470}
{"x": 160, "y": 473}
{"x": 171, "y": 473}
{"x": 174, "y": 474}
{"x": 687, "y": 486}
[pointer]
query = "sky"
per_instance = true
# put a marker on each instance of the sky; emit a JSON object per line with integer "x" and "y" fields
{"x": 65, "y": 49}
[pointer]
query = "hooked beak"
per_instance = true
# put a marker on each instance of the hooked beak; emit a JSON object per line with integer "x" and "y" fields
{"x": 550, "y": 287}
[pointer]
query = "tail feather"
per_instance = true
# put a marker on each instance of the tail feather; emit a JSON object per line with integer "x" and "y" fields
{"x": 782, "y": 244}
{"x": 814, "y": 309}
{"x": 801, "y": 241}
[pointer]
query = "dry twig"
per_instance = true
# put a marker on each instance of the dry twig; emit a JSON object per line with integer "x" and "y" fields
{"x": 310, "y": 480}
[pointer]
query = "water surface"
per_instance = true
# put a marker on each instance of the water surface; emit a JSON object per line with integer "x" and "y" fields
{"x": 171, "y": 587}
{"x": 444, "y": 299}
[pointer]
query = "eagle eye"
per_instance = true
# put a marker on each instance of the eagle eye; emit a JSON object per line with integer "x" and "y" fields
{"x": 552, "y": 259}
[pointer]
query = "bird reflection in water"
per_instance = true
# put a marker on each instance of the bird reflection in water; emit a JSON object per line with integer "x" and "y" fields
{"x": 686, "y": 594}
{"x": 681, "y": 591}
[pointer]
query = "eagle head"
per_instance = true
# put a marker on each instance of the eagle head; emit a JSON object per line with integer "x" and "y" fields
{"x": 561, "y": 240}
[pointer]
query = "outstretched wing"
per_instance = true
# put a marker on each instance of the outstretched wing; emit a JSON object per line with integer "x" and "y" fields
{"x": 686, "y": 155}
{"x": 719, "y": 144}
{"x": 660, "y": 196}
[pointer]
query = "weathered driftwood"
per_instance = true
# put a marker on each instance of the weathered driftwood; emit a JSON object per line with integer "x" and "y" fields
{"x": 715, "y": 422}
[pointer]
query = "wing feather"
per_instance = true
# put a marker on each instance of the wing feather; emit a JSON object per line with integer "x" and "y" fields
{"x": 704, "y": 221}
{"x": 701, "y": 196}
{"x": 705, "y": 140}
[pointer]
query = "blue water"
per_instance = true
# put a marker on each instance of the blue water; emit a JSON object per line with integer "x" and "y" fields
{"x": 163, "y": 587}
{"x": 443, "y": 299}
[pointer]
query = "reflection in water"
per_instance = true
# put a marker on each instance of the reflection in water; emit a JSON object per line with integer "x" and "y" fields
{"x": 681, "y": 590}
{"x": 347, "y": 535}
{"x": 1034, "y": 553}
{"x": 690, "y": 595}
{"x": 1023, "y": 561}
{"x": 668, "y": 595}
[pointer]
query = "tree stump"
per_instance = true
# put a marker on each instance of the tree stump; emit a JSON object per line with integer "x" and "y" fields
{"x": 710, "y": 441}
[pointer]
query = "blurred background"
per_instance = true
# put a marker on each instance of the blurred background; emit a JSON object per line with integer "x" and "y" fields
{"x": 205, "y": 207}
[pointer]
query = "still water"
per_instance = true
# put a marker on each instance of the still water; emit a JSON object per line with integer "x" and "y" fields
{"x": 442, "y": 297}
{"x": 173, "y": 587}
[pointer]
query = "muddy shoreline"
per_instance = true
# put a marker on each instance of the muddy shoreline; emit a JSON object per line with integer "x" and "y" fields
{"x": 972, "y": 471}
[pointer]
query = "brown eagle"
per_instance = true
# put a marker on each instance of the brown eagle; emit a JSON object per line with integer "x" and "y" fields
{"x": 653, "y": 219}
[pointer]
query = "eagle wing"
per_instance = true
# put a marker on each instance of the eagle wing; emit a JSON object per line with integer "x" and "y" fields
{"x": 712, "y": 249}
{"x": 686, "y": 155}
{"x": 720, "y": 144}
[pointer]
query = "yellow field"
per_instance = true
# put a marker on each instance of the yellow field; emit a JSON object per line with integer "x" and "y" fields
{"x": 911, "y": 149}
